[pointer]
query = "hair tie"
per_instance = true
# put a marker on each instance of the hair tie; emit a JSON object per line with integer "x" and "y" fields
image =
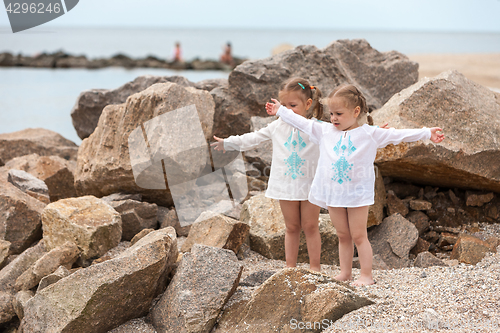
{"x": 313, "y": 87}
{"x": 300, "y": 84}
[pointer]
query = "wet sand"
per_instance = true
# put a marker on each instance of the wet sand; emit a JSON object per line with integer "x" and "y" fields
{"x": 481, "y": 68}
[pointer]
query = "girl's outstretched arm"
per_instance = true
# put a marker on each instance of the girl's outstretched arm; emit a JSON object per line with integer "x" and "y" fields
{"x": 436, "y": 137}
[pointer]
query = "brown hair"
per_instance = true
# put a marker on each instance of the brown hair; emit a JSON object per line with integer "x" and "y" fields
{"x": 308, "y": 91}
{"x": 352, "y": 96}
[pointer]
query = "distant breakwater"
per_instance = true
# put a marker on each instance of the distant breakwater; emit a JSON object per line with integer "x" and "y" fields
{"x": 64, "y": 60}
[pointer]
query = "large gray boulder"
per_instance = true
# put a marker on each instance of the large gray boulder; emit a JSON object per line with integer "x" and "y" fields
{"x": 103, "y": 296}
{"x": 393, "y": 239}
{"x": 253, "y": 83}
{"x": 470, "y": 117}
{"x": 104, "y": 159}
{"x": 204, "y": 281}
{"x": 89, "y": 105}
{"x": 290, "y": 299}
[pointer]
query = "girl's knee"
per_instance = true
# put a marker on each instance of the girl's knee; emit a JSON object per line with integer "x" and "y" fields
{"x": 360, "y": 239}
{"x": 292, "y": 228}
{"x": 311, "y": 228}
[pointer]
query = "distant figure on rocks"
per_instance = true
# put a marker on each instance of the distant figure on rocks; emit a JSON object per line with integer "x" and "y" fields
{"x": 345, "y": 179}
{"x": 226, "y": 57}
{"x": 177, "y": 53}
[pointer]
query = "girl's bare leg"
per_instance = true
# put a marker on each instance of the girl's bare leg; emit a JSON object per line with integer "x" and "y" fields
{"x": 291, "y": 213}
{"x": 338, "y": 215}
{"x": 309, "y": 215}
{"x": 357, "y": 218}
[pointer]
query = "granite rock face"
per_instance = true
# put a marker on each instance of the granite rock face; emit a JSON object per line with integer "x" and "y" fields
{"x": 104, "y": 159}
{"x": 393, "y": 239}
{"x": 253, "y": 83}
{"x": 90, "y": 223}
{"x": 29, "y": 184}
{"x": 20, "y": 213}
{"x": 204, "y": 281}
{"x": 35, "y": 140}
{"x": 290, "y": 297}
{"x": 470, "y": 117}
{"x": 136, "y": 216}
{"x": 470, "y": 250}
{"x": 103, "y": 296}
{"x": 90, "y": 103}
{"x": 216, "y": 230}
{"x": 56, "y": 172}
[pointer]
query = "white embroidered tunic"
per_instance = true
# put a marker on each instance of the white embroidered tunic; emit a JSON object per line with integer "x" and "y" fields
{"x": 294, "y": 158}
{"x": 345, "y": 174}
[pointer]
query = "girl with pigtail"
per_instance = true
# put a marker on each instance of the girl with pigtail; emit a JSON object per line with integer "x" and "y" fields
{"x": 293, "y": 167}
{"x": 344, "y": 180}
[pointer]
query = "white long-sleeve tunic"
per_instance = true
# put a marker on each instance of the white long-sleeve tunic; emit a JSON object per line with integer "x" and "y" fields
{"x": 345, "y": 174}
{"x": 294, "y": 158}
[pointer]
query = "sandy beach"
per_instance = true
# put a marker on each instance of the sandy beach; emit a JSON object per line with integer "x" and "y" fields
{"x": 481, "y": 68}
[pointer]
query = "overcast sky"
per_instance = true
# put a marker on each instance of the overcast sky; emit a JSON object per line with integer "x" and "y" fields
{"x": 408, "y": 15}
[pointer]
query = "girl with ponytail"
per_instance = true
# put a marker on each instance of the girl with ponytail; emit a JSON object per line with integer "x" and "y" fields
{"x": 293, "y": 167}
{"x": 345, "y": 178}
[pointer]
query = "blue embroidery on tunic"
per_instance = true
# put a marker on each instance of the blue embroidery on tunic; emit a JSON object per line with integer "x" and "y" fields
{"x": 294, "y": 162}
{"x": 342, "y": 166}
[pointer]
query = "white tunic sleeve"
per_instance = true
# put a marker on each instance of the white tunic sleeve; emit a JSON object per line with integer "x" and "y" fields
{"x": 249, "y": 140}
{"x": 313, "y": 128}
{"x": 383, "y": 137}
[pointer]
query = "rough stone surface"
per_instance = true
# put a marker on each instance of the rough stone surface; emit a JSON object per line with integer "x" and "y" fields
{"x": 56, "y": 172}
{"x": 427, "y": 259}
{"x": 20, "y": 301}
{"x": 477, "y": 199}
{"x": 420, "y": 205}
{"x": 253, "y": 83}
{"x": 64, "y": 255}
{"x": 403, "y": 190}
{"x": 393, "y": 239}
{"x": 267, "y": 231}
{"x": 136, "y": 216}
{"x": 168, "y": 218}
{"x": 103, "y": 296}
{"x": 58, "y": 274}
{"x": 470, "y": 250}
{"x": 210, "y": 84}
{"x": 104, "y": 161}
{"x": 216, "y": 230}
{"x": 35, "y": 140}
{"x": 377, "y": 263}
{"x": 420, "y": 220}
{"x": 134, "y": 326}
{"x": 4, "y": 252}
{"x": 20, "y": 222}
{"x": 292, "y": 293}
{"x": 470, "y": 116}
{"x": 376, "y": 211}
{"x": 204, "y": 281}
{"x": 29, "y": 184}
{"x": 395, "y": 205}
{"x": 90, "y": 103}
{"x": 421, "y": 246}
{"x": 94, "y": 226}
{"x": 140, "y": 235}
{"x": 9, "y": 275}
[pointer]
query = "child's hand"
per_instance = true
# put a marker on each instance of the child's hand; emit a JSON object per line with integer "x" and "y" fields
{"x": 219, "y": 145}
{"x": 436, "y": 137}
{"x": 272, "y": 108}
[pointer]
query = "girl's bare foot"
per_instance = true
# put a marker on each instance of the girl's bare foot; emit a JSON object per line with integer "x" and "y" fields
{"x": 343, "y": 277}
{"x": 363, "y": 281}
{"x": 317, "y": 269}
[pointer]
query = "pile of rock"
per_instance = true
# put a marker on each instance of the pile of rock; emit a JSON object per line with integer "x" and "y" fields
{"x": 84, "y": 248}
{"x": 64, "y": 60}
